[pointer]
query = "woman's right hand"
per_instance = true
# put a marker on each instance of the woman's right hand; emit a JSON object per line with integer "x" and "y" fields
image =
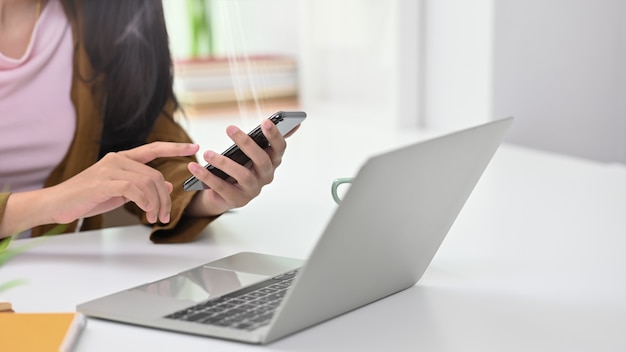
{"x": 115, "y": 179}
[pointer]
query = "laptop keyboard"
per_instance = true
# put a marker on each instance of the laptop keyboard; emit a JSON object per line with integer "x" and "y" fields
{"x": 248, "y": 309}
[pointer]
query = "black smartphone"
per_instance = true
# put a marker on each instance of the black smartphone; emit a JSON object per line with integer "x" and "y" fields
{"x": 285, "y": 121}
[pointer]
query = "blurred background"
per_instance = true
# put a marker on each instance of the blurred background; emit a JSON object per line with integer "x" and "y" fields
{"x": 558, "y": 66}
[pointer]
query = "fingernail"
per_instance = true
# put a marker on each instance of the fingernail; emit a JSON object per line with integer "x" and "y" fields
{"x": 208, "y": 154}
{"x": 231, "y": 130}
{"x": 267, "y": 124}
{"x": 194, "y": 167}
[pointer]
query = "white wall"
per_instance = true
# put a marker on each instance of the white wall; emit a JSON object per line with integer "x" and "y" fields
{"x": 458, "y": 71}
{"x": 360, "y": 59}
{"x": 558, "y": 66}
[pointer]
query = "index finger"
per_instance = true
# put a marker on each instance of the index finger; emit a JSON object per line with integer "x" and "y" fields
{"x": 148, "y": 152}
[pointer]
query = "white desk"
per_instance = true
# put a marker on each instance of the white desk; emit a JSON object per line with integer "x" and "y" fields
{"x": 536, "y": 260}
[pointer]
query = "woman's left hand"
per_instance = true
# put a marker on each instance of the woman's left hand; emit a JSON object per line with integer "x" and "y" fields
{"x": 224, "y": 195}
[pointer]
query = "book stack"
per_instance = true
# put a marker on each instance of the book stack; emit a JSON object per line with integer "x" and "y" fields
{"x": 5, "y": 305}
{"x": 204, "y": 82}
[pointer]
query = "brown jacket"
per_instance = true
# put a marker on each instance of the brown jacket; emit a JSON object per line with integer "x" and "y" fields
{"x": 84, "y": 149}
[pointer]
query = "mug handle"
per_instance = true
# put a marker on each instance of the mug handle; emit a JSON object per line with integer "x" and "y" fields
{"x": 336, "y": 183}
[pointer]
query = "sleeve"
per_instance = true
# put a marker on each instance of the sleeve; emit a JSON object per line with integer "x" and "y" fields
{"x": 180, "y": 228}
{"x": 4, "y": 198}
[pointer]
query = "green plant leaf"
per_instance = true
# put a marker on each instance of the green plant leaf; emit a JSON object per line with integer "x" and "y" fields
{"x": 200, "y": 26}
{"x": 58, "y": 229}
{"x": 4, "y": 244}
{"x": 11, "y": 284}
{"x": 7, "y": 253}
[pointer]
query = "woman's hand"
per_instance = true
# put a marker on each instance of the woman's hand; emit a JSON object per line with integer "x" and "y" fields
{"x": 114, "y": 180}
{"x": 121, "y": 177}
{"x": 223, "y": 195}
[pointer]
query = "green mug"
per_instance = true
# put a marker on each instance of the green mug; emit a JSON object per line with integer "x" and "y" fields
{"x": 335, "y": 186}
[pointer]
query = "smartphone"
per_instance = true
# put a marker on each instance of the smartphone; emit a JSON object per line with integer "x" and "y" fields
{"x": 285, "y": 121}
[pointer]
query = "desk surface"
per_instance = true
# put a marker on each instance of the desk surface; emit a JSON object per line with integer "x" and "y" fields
{"x": 534, "y": 262}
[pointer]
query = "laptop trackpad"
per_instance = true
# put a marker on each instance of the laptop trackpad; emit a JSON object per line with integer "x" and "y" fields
{"x": 257, "y": 263}
{"x": 220, "y": 277}
{"x": 200, "y": 284}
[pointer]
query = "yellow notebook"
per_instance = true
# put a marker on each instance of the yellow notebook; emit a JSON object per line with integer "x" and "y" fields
{"x": 40, "y": 331}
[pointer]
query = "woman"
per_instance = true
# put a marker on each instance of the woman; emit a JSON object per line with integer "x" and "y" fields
{"x": 86, "y": 124}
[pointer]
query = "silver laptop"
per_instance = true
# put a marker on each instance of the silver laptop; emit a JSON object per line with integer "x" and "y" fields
{"x": 379, "y": 241}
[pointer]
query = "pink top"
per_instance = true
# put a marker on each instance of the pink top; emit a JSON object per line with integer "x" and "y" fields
{"x": 37, "y": 118}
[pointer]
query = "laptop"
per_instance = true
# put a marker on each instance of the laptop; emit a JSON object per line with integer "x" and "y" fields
{"x": 379, "y": 241}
